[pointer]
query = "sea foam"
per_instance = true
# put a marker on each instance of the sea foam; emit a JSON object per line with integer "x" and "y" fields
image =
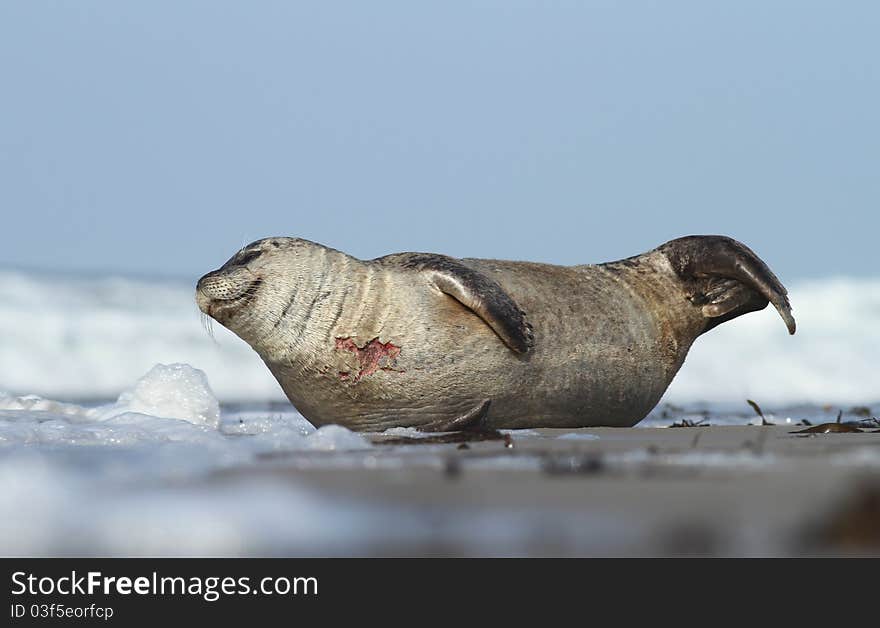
{"x": 169, "y": 404}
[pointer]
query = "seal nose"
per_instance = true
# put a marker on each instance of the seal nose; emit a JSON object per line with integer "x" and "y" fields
{"x": 224, "y": 285}
{"x": 217, "y": 285}
{"x": 205, "y": 281}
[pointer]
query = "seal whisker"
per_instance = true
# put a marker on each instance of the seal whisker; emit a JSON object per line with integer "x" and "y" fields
{"x": 208, "y": 325}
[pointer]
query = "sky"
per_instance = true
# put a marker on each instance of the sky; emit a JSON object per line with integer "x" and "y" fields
{"x": 156, "y": 138}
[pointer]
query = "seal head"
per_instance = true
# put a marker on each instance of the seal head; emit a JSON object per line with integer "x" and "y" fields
{"x": 257, "y": 287}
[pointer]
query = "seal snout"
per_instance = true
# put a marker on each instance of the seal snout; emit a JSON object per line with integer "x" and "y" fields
{"x": 216, "y": 286}
{"x": 224, "y": 288}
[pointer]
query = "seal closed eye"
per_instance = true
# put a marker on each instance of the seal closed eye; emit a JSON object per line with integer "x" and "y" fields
{"x": 429, "y": 341}
{"x": 247, "y": 257}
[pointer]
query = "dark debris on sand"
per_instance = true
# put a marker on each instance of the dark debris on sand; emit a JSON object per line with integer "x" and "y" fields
{"x": 837, "y": 427}
{"x": 689, "y": 423}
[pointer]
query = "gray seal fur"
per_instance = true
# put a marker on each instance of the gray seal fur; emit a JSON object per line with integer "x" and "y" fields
{"x": 428, "y": 341}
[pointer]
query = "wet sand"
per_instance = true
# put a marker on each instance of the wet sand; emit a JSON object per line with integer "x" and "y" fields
{"x": 715, "y": 491}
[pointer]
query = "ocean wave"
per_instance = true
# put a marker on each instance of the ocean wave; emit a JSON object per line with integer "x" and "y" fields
{"x": 89, "y": 338}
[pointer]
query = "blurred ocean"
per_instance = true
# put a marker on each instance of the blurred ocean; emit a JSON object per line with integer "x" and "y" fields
{"x": 88, "y": 338}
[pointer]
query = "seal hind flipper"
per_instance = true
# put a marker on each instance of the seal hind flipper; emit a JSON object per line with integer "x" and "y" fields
{"x": 468, "y": 421}
{"x": 477, "y": 292}
{"x": 726, "y": 278}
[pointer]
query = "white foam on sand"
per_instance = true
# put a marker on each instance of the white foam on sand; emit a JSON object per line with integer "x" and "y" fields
{"x": 171, "y": 403}
{"x": 121, "y": 478}
{"x": 175, "y": 391}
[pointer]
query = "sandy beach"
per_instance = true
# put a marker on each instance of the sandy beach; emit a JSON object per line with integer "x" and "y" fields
{"x": 717, "y": 491}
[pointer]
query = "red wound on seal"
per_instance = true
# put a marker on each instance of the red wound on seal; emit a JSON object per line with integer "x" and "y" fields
{"x": 372, "y": 357}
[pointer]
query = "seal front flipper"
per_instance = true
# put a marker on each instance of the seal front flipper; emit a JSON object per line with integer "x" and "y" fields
{"x": 726, "y": 279}
{"x": 475, "y": 291}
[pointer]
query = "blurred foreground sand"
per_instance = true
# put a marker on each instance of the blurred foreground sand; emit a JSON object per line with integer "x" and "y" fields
{"x": 718, "y": 491}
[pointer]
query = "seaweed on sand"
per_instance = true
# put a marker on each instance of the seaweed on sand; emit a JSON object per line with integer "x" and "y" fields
{"x": 831, "y": 428}
{"x": 757, "y": 410}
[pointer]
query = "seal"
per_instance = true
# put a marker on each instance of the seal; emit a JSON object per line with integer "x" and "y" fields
{"x": 441, "y": 344}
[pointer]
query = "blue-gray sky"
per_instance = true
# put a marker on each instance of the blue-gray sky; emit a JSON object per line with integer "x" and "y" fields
{"x": 157, "y": 137}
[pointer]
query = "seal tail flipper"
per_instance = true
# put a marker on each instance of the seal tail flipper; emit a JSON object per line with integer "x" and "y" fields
{"x": 726, "y": 278}
{"x": 477, "y": 292}
{"x": 468, "y": 421}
